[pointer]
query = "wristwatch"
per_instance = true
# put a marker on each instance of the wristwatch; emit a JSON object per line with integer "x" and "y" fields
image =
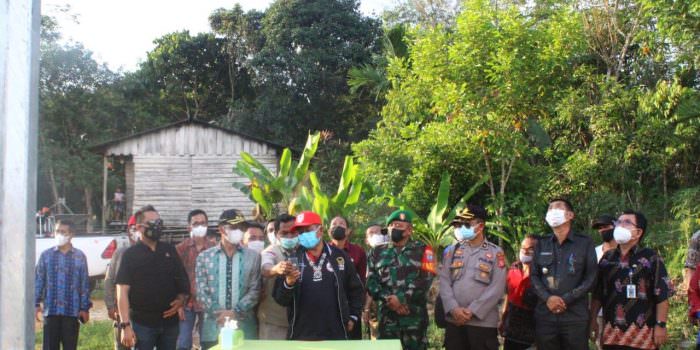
{"x": 123, "y": 325}
{"x": 661, "y": 324}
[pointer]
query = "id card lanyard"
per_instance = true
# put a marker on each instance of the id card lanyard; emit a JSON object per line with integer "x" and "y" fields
{"x": 631, "y": 287}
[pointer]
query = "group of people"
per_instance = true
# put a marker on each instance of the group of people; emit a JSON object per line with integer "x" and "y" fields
{"x": 303, "y": 285}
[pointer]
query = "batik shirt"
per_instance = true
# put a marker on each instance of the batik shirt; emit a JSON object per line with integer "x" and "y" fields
{"x": 62, "y": 282}
{"x": 629, "y": 289}
{"x": 227, "y": 283}
{"x": 188, "y": 252}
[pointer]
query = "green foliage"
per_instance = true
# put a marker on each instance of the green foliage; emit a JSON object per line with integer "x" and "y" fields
{"x": 300, "y": 69}
{"x": 271, "y": 191}
{"x": 434, "y": 230}
{"x": 189, "y": 74}
{"x": 342, "y": 203}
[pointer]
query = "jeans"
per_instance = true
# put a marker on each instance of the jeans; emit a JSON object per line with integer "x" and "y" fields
{"x": 184, "y": 339}
{"x": 162, "y": 338}
{"x": 60, "y": 330}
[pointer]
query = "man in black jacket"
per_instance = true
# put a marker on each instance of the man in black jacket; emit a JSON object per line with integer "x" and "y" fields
{"x": 564, "y": 271}
{"x": 324, "y": 295}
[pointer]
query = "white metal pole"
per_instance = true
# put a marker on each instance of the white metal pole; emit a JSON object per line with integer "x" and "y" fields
{"x": 19, "y": 63}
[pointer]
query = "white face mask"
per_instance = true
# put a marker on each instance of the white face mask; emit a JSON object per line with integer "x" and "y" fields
{"x": 272, "y": 238}
{"x": 555, "y": 217}
{"x": 376, "y": 240}
{"x": 257, "y": 246}
{"x": 525, "y": 259}
{"x": 198, "y": 231}
{"x": 234, "y": 236}
{"x": 622, "y": 235}
{"x": 61, "y": 240}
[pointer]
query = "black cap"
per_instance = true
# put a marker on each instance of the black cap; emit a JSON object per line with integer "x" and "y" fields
{"x": 471, "y": 211}
{"x": 231, "y": 217}
{"x": 603, "y": 220}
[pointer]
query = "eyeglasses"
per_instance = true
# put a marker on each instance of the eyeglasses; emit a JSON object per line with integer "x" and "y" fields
{"x": 465, "y": 224}
{"x": 625, "y": 222}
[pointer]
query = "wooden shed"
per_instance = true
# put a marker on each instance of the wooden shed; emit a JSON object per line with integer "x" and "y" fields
{"x": 183, "y": 166}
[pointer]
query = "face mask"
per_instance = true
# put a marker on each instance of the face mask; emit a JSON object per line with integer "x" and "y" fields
{"x": 338, "y": 233}
{"x": 198, "y": 231}
{"x": 154, "y": 230}
{"x": 376, "y": 240}
{"x": 555, "y": 217}
{"x": 622, "y": 235}
{"x": 463, "y": 233}
{"x": 271, "y": 238}
{"x": 608, "y": 235}
{"x": 525, "y": 259}
{"x": 289, "y": 243}
{"x": 257, "y": 246}
{"x": 397, "y": 235}
{"x": 309, "y": 239}
{"x": 61, "y": 240}
{"x": 234, "y": 236}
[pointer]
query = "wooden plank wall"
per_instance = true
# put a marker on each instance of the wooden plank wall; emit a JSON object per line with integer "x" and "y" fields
{"x": 188, "y": 167}
{"x": 129, "y": 190}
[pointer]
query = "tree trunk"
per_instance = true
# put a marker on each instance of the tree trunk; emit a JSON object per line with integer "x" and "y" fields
{"x": 87, "y": 192}
{"x": 54, "y": 190}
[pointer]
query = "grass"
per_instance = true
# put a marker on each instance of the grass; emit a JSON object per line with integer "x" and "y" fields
{"x": 93, "y": 336}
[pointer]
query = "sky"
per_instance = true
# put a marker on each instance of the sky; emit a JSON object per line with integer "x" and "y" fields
{"x": 119, "y": 33}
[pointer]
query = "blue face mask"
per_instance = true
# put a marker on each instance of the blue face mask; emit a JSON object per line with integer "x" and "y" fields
{"x": 462, "y": 233}
{"x": 308, "y": 240}
{"x": 289, "y": 243}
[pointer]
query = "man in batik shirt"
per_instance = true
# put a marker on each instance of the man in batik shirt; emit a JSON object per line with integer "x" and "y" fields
{"x": 633, "y": 288}
{"x": 228, "y": 281}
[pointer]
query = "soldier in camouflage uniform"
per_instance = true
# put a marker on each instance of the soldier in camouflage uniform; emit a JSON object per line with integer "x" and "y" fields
{"x": 399, "y": 285}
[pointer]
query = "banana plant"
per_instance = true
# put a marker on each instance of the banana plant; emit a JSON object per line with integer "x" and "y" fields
{"x": 343, "y": 202}
{"x": 434, "y": 230}
{"x": 271, "y": 191}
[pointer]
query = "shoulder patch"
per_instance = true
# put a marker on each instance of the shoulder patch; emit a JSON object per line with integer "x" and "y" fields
{"x": 501, "y": 259}
{"x": 341, "y": 263}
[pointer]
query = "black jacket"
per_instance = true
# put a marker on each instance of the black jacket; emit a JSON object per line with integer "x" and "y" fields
{"x": 349, "y": 291}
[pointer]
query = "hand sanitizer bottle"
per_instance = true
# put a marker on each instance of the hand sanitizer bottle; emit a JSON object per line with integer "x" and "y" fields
{"x": 226, "y": 336}
{"x": 238, "y": 335}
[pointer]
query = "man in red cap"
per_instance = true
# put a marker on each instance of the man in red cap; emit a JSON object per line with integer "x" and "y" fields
{"x": 324, "y": 280}
{"x": 111, "y": 276}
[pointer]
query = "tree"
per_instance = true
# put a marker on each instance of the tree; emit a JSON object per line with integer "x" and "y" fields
{"x": 74, "y": 108}
{"x": 309, "y": 46}
{"x": 243, "y": 35}
{"x": 189, "y": 74}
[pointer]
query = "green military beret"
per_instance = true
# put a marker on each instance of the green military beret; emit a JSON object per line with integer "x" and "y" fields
{"x": 400, "y": 215}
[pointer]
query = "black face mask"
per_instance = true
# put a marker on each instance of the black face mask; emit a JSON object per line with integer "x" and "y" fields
{"x": 338, "y": 233}
{"x": 154, "y": 229}
{"x": 607, "y": 235}
{"x": 397, "y": 235}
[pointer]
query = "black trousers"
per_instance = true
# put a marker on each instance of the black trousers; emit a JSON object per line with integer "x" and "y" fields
{"x": 470, "y": 338}
{"x": 556, "y": 336}
{"x": 511, "y": 345}
{"x": 356, "y": 333}
{"x": 61, "y": 330}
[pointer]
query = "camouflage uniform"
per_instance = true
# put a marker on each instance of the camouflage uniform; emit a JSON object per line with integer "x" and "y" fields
{"x": 396, "y": 271}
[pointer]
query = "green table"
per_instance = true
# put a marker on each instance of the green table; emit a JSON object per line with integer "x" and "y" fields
{"x": 391, "y": 344}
